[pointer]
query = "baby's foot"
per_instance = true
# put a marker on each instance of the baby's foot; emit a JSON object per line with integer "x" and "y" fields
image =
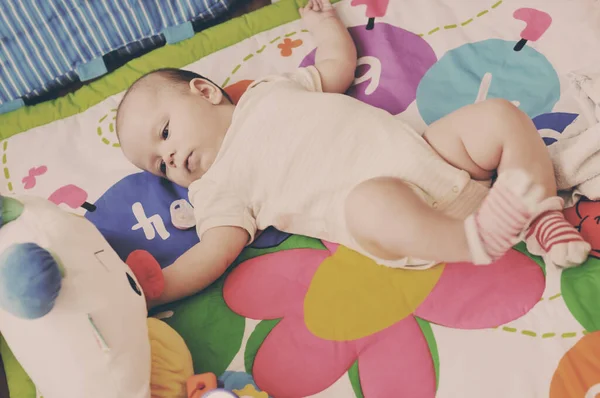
{"x": 551, "y": 234}
{"x": 504, "y": 214}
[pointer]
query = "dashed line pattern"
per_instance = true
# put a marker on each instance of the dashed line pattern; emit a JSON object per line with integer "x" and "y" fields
{"x": 260, "y": 50}
{"x": 111, "y": 129}
{"x": 546, "y": 335}
{"x": 554, "y": 297}
{"x": 9, "y": 184}
{"x": 464, "y": 23}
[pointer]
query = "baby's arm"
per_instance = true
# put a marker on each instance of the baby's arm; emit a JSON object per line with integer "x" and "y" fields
{"x": 336, "y": 52}
{"x": 203, "y": 264}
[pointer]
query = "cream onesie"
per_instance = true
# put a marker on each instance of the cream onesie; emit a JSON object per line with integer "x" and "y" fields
{"x": 293, "y": 154}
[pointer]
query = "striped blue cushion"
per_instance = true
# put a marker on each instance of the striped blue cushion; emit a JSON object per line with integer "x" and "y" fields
{"x": 42, "y": 43}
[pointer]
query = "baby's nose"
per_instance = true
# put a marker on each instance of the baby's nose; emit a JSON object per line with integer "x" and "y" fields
{"x": 170, "y": 160}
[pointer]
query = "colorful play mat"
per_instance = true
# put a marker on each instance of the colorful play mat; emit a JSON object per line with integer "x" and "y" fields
{"x": 297, "y": 317}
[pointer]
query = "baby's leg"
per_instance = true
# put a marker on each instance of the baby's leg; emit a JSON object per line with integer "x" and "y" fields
{"x": 495, "y": 136}
{"x": 390, "y": 221}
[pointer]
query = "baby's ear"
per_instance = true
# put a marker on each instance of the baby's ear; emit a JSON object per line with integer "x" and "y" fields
{"x": 207, "y": 90}
{"x": 10, "y": 210}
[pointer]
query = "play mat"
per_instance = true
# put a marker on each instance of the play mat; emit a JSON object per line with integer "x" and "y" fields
{"x": 298, "y": 317}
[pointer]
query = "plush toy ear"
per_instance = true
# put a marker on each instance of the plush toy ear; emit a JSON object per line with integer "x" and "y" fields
{"x": 10, "y": 209}
{"x": 30, "y": 280}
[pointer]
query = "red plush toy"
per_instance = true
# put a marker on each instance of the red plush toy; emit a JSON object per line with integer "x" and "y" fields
{"x": 585, "y": 216}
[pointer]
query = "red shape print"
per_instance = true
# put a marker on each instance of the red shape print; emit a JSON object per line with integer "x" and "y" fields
{"x": 537, "y": 23}
{"x": 288, "y": 45}
{"x": 30, "y": 180}
{"x": 236, "y": 90}
{"x": 72, "y": 196}
{"x": 375, "y": 9}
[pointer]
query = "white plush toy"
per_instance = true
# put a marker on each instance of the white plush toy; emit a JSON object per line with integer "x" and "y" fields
{"x": 71, "y": 311}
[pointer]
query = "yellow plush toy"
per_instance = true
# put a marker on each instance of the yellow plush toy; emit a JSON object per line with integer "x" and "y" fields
{"x": 171, "y": 361}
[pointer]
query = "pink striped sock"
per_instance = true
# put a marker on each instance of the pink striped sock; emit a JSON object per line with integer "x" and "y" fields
{"x": 500, "y": 220}
{"x": 551, "y": 228}
{"x": 502, "y": 217}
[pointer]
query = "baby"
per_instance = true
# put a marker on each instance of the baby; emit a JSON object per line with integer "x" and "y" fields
{"x": 298, "y": 155}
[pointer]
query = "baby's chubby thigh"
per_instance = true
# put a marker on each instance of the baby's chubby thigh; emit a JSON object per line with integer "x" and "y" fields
{"x": 378, "y": 211}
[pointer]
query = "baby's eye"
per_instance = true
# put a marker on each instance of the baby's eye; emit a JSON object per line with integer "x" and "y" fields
{"x": 165, "y": 132}
{"x": 163, "y": 167}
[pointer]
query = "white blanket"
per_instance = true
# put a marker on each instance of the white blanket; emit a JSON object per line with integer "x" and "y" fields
{"x": 576, "y": 157}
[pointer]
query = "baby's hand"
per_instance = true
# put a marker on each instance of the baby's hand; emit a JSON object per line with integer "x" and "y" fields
{"x": 316, "y": 11}
{"x": 335, "y": 58}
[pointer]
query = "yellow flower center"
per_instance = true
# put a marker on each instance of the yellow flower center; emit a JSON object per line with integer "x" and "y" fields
{"x": 351, "y": 296}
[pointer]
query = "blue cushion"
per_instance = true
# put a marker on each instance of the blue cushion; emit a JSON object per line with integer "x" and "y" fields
{"x": 43, "y": 42}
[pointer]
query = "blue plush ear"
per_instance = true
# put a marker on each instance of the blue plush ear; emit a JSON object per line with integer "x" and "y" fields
{"x": 30, "y": 280}
{"x": 10, "y": 209}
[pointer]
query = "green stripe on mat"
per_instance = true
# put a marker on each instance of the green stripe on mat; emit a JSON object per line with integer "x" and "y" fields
{"x": 174, "y": 55}
{"x": 432, "y": 344}
{"x": 354, "y": 377}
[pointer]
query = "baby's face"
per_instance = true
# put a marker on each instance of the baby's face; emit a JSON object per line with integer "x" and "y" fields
{"x": 174, "y": 132}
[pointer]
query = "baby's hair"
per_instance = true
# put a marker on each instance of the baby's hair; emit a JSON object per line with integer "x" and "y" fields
{"x": 172, "y": 75}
